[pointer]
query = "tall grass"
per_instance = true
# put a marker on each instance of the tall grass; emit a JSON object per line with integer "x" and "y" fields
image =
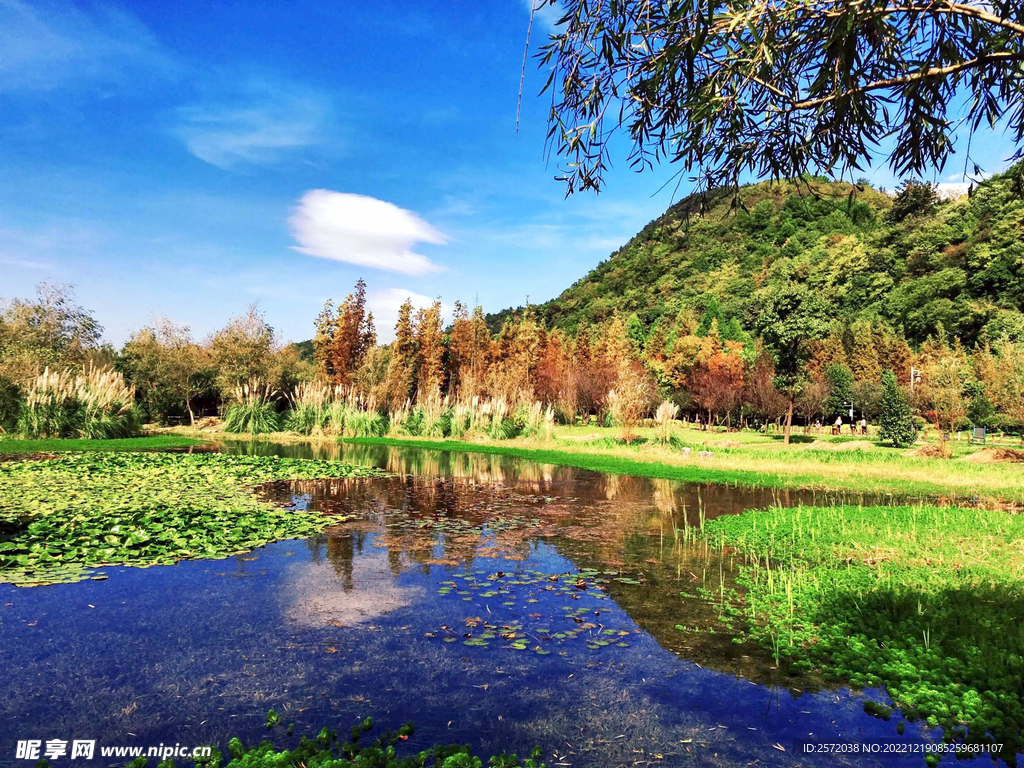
{"x": 361, "y": 415}
{"x": 252, "y": 411}
{"x": 95, "y": 404}
{"x": 435, "y": 415}
{"x": 664, "y": 417}
{"x": 534, "y": 420}
{"x": 309, "y": 410}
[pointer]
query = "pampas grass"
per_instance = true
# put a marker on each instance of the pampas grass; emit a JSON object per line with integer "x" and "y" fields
{"x": 252, "y": 412}
{"x": 95, "y": 404}
{"x": 435, "y": 416}
{"x": 309, "y": 411}
{"x": 664, "y": 417}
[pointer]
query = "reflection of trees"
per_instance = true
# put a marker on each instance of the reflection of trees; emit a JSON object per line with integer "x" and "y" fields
{"x": 460, "y": 509}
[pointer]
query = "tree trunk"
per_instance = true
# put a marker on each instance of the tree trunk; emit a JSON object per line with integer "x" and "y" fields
{"x": 191, "y": 416}
{"x": 789, "y": 422}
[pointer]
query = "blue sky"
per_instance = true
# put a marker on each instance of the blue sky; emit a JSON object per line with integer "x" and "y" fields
{"x": 187, "y": 159}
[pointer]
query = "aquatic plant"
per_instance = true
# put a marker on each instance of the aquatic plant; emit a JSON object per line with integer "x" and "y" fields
{"x": 924, "y": 601}
{"x": 94, "y": 404}
{"x": 252, "y": 410}
{"x": 326, "y": 750}
{"x": 61, "y": 517}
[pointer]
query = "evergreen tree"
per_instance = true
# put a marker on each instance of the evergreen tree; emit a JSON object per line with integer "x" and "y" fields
{"x": 981, "y": 411}
{"x": 713, "y": 314}
{"x": 897, "y": 419}
{"x": 840, "y": 390}
{"x": 636, "y": 333}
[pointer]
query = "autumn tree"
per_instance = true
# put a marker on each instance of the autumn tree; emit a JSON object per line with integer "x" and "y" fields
{"x": 631, "y": 398}
{"x": 1002, "y": 372}
{"x": 468, "y": 352}
{"x": 761, "y": 395}
{"x": 716, "y": 381}
{"x": 430, "y": 347}
{"x": 402, "y": 365}
{"x": 343, "y": 337}
{"x": 517, "y": 352}
{"x": 946, "y": 383}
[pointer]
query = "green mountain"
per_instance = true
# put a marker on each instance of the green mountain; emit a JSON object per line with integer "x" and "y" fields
{"x": 911, "y": 263}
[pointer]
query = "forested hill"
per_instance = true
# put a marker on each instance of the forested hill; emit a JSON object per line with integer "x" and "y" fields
{"x": 911, "y": 263}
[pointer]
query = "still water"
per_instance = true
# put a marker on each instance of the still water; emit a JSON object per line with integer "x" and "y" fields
{"x": 489, "y": 600}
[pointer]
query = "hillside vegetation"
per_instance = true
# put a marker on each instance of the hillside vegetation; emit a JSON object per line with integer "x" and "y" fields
{"x": 912, "y": 265}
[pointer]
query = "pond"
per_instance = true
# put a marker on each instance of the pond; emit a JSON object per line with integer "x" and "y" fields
{"x": 489, "y": 600}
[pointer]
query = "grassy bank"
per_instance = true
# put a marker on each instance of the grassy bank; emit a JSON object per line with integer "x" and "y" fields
{"x": 925, "y": 601}
{"x": 154, "y": 443}
{"x": 756, "y": 460}
{"x": 62, "y": 517}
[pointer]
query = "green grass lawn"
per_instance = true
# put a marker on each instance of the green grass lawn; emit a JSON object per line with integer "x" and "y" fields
{"x": 754, "y": 459}
{"x": 10, "y": 445}
{"x": 925, "y": 601}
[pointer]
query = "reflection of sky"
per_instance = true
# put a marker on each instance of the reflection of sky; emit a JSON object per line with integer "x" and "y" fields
{"x": 200, "y": 651}
{"x": 315, "y": 596}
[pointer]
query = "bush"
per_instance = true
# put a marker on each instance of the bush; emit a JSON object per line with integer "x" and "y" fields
{"x": 10, "y": 404}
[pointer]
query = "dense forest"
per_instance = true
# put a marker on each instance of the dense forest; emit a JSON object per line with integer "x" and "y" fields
{"x": 908, "y": 265}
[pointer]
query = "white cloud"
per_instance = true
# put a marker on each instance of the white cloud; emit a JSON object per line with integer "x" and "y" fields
{"x": 384, "y": 306}
{"x": 263, "y": 127}
{"x": 362, "y": 230}
{"x": 547, "y": 15}
{"x": 43, "y": 47}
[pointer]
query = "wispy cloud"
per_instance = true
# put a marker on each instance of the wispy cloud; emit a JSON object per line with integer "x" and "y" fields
{"x": 49, "y": 249}
{"x": 362, "y": 230}
{"x": 44, "y": 47}
{"x": 545, "y": 15}
{"x": 265, "y": 125}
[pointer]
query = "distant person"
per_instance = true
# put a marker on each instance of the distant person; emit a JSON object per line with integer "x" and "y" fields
{"x": 837, "y": 428}
{"x": 863, "y": 426}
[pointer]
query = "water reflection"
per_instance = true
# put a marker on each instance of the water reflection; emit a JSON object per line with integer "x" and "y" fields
{"x": 670, "y": 583}
{"x": 372, "y": 617}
